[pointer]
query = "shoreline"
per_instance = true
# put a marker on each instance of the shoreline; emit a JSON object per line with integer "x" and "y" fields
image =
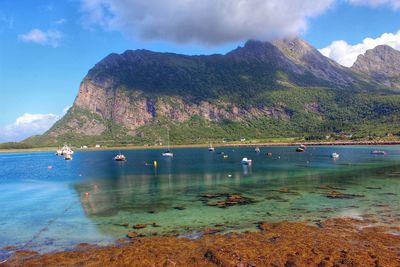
{"x": 334, "y": 242}
{"x": 257, "y": 144}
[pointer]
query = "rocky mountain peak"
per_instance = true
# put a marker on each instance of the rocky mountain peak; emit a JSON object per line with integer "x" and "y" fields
{"x": 382, "y": 63}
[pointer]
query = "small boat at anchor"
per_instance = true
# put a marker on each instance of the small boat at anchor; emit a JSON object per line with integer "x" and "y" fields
{"x": 168, "y": 153}
{"x": 335, "y": 155}
{"x": 378, "y": 152}
{"x": 211, "y": 148}
{"x": 68, "y": 156}
{"x": 246, "y": 161}
{"x": 301, "y": 148}
{"x": 257, "y": 150}
{"x": 120, "y": 157}
{"x": 64, "y": 151}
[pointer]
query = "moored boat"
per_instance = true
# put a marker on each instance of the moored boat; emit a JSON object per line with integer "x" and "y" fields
{"x": 257, "y": 150}
{"x": 211, "y": 148}
{"x": 335, "y": 155}
{"x": 168, "y": 153}
{"x": 64, "y": 151}
{"x": 246, "y": 161}
{"x": 120, "y": 157}
{"x": 378, "y": 152}
{"x": 301, "y": 148}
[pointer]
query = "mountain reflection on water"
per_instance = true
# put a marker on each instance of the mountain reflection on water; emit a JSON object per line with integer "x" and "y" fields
{"x": 87, "y": 199}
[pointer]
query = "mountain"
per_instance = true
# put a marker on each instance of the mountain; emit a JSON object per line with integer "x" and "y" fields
{"x": 279, "y": 89}
{"x": 382, "y": 63}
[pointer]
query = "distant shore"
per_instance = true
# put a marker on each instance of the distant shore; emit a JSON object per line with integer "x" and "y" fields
{"x": 335, "y": 242}
{"x": 243, "y": 144}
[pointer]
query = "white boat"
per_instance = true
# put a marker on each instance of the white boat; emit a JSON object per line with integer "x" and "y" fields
{"x": 246, "y": 161}
{"x": 378, "y": 152}
{"x": 211, "y": 148}
{"x": 301, "y": 148}
{"x": 168, "y": 153}
{"x": 335, "y": 155}
{"x": 257, "y": 150}
{"x": 64, "y": 151}
{"x": 120, "y": 157}
{"x": 68, "y": 156}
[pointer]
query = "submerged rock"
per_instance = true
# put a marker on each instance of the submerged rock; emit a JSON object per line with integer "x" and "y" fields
{"x": 154, "y": 224}
{"x": 179, "y": 207}
{"x": 288, "y": 191}
{"x": 340, "y": 195}
{"x": 225, "y": 200}
{"x": 211, "y": 231}
{"x": 139, "y": 226}
{"x": 134, "y": 235}
{"x": 329, "y": 187}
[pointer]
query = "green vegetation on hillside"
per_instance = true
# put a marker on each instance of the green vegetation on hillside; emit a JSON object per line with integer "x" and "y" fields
{"x": 313, "y": 114}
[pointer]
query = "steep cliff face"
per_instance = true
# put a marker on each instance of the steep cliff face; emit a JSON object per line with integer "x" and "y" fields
{"x": 382, "y": 63}
{"x": 279, "y": 86}
{"x": 133, "y": 109}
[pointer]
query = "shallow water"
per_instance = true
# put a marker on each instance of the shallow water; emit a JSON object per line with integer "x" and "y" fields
{"x": 85, "y": 200}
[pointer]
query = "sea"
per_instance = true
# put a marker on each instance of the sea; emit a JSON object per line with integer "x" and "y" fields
{"x": 50, "y": 204}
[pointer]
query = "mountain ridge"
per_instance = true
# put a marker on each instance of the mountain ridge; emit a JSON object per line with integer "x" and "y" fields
{"x": 382, "y": 63}
{"x": 281, "y": 88}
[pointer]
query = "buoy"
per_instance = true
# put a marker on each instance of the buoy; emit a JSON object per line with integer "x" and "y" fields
{"x": 155, "y": 164}
{"x": 229, "y": 175}
{"x": 49, "y": 167}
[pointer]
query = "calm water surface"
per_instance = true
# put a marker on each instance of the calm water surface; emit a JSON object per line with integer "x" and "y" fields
{"x": 85, "y": 200}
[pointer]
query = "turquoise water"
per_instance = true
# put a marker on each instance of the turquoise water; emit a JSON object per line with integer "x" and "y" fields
{"x": 86, "y": 199}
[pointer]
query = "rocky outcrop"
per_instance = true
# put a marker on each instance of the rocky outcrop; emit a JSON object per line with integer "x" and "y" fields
{"x": 313, "y": 62}
{"x": 382, "y": 63}
{"x": 134, "y": 109}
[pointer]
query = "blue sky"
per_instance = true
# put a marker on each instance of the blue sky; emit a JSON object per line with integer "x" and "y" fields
{"x": 47, "y": 47}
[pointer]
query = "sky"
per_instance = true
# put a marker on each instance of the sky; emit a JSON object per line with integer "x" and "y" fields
{"x": 48, "y": 46}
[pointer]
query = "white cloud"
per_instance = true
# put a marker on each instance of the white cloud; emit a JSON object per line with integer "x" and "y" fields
{"x": 65, "y": 110}
{"x": 50, "y": 37}
{"x": 28, "y": 125}
{"x": 205, "y": 21}
{"x": 60, "y": 21}
{"x": 374, "y": 3}
{"x": 346, "y": 54}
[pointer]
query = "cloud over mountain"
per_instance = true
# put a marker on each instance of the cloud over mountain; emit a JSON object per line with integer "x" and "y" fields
{"x": 205, "y": 21}
{"x": 346, "y": 54}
